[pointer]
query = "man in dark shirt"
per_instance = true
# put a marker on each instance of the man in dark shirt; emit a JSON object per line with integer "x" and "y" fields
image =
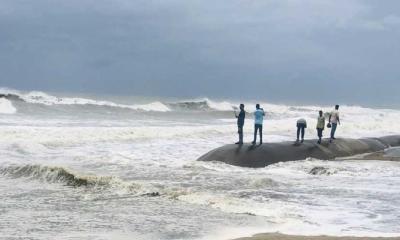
{"x": 240, "y": 123}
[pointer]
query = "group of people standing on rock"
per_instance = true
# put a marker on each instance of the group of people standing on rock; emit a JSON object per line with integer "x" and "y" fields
{"x": 301, "y": 124}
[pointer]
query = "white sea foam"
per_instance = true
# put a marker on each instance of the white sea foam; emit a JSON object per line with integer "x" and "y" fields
{"x": 6, "y": 107}
{"x": 37, "y": 97}
{"x": 43, "y": 98}
{"x": 157, "y": 152}
{"x": 342, "y": 204}
{"x": 220, "y": 106}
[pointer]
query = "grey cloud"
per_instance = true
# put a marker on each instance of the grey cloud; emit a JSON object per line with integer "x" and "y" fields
{"x": 278, "y": 50}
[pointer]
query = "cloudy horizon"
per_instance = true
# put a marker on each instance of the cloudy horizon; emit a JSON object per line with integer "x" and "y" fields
{"x": 286, "y": 50}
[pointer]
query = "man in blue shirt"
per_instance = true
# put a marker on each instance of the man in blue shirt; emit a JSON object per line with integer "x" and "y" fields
{"x": 258, "y": 122}
{"x": 240, "y": 123}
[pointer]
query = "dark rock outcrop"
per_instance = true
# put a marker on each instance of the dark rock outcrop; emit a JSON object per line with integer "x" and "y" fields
{"x": 257, "y": 156}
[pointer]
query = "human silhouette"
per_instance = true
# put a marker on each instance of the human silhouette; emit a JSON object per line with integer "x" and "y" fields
{"x": 320, "y": 126}
{"x": 240, "y": 123}
{"x": 301, "y": 125}
{"x": 334, "y": 120}
{"x": 258, "y": 123}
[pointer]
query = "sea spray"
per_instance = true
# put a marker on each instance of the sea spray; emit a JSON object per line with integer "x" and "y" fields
{"x": 6, "y": 107}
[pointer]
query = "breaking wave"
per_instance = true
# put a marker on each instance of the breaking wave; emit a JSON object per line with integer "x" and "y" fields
{"x": 6, "y": 107}
{"x": 361, "y": 121}
{"x": 37, "y": 97}
{"x": 53, "y": 174}
{"x": 203, "y": 104}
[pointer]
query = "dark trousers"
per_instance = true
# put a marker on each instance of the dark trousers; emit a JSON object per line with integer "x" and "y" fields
{"x": 319, "y": 130}
{"x": 240, "y": 131}
{"x": 333, "y": 130}
{"x": 258, "y": 127}
{"x": 300, "y": 128}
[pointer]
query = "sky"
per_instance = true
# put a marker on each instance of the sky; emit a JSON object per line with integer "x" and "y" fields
{"x": 344, "y": 51}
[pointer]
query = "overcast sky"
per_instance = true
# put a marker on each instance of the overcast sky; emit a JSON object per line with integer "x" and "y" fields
{"x": 306, "y": 50}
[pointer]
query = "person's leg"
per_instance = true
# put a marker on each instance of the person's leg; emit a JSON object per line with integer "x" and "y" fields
{"x": 241, "y": 135}
{"x": 240, "y": 131}
{"x": 261, "y": 129}
{"x": 302, "y": 133}
{"x": 255, "y": 133}
{"x": 319, "y": 130}
{"x": 333, "y": 130}
{"x": 298, "y": 133}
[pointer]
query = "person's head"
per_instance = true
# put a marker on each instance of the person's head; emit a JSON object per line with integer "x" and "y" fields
{"x": 241, "y": 106}
{"x": 320, "y": 113}
{"x": 257, "y": 106}
{"x": 337, "y": 107}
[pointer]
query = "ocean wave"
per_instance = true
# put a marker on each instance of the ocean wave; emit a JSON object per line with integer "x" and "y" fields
{"x": 203, "y": 104}
{"x": 37, "y": 97}
{"x": 60, "y": 175}
{"x": 6, "y": 107}
{"x": 43, "y": 98}
{"x": 190, "y": 105}
{"x": 273, "y": 111}
{"x": 54, "y": 175}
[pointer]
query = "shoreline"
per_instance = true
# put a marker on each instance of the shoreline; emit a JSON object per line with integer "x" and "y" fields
{"x": 278, "y": 236}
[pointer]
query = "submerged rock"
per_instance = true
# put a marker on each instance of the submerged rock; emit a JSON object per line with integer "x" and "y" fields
{"x": 320, "y": 171}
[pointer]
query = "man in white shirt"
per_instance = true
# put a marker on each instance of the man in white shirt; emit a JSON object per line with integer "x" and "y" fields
{"x": 334, "y": 120}
{"x": 258, "y": 122}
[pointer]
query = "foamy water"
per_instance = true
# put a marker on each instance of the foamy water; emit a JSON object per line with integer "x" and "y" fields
{"x": 87, "y": 168}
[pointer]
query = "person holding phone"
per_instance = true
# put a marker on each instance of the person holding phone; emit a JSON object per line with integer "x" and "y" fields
{"x": 240, "y": 123}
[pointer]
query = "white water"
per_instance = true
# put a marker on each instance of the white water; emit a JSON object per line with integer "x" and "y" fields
{"x": 6, "y": 107}
{"x": 124, "y": 157}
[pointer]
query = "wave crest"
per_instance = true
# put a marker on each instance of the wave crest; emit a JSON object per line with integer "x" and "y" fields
{"x": 201, "y": 105}
{"x": 54, "y": 175}
{"x": 43, "y": 98}
{"x": 60, "y": 175}
{"x": 38, "y": 97}
{"x": 6, "y": 107}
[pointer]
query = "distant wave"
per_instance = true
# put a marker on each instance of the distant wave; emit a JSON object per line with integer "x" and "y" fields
{"x": 202, "y": 105}
{"x": 37, "y": 97}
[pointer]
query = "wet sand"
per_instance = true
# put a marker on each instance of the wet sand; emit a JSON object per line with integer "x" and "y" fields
{"x": 276, "y": 236}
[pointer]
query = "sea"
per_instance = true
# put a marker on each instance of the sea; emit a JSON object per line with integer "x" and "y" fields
{"x": 125, "y": 167}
